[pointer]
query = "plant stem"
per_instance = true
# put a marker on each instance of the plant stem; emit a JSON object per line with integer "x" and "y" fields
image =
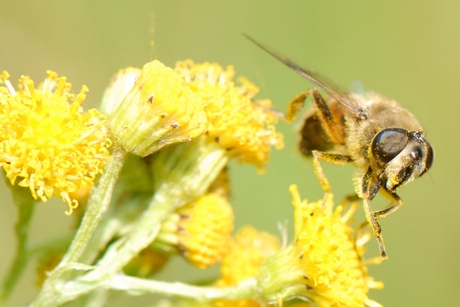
{"x": 98, "y": 203}
{"x": 26, "y": 205}
{"x": 245, "y": 289}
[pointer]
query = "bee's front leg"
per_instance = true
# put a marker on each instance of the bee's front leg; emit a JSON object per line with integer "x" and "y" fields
{"x": 368, "y": 191}
{"x": 377, "y": 229}
{"x": 384, "y": 212}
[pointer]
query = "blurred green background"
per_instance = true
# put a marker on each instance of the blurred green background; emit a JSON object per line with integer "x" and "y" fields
{"x": 409, "y": 51}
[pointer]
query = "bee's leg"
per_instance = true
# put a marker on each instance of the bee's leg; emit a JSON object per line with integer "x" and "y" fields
{"x": 295, "y": 105}
{"x": 329, "y": 157}
{"x": 384, "y": 212}
{"x": 349, "y": 199}
{"x": 358, "y": 236}
{"x": 375, "y": 228}
{"x": 353, "y": 201}
{"x": 370, "y": 221}
{"x": 334, "y": 131}
{"x": 368, "y": 192}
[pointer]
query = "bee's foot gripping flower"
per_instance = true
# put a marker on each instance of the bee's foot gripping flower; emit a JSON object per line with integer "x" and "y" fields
{"x": 46, "y": 141}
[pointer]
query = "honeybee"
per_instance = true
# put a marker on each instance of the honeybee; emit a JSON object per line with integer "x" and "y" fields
{"x": 379, "y": 136}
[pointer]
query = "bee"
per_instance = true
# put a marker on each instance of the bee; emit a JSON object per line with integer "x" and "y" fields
{"x": 384, "y": 140}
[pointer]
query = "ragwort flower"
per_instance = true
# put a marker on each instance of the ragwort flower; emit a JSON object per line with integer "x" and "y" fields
{"x": 244, "y": 128}
{"x": 46, "y": 141}
{"x": 324, "y": 264}
{"x": 158, "y": 111}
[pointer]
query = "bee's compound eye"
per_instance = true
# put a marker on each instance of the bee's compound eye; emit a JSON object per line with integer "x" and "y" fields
{"x": 388, "y": 143}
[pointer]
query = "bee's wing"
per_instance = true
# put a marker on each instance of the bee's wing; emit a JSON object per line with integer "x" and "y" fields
{"x": 312, "y": 77}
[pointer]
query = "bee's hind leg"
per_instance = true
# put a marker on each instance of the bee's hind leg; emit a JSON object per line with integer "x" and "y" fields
{"x": 329, "y": 122}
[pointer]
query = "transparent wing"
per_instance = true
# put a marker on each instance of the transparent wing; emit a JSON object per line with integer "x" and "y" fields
{"x": 314, "y": 78}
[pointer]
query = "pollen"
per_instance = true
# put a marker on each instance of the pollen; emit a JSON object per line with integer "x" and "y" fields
{"x": 243, "y": 127}
{"x": 47, "y": 143}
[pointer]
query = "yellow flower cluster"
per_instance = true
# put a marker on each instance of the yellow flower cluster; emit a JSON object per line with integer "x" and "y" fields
{"x": 46, "y": 141}
{"x": 323, "y": 265}
{"x": 325, "y": 258}
{"x": 241, "y": 126}
{"x": 169, "y": 106}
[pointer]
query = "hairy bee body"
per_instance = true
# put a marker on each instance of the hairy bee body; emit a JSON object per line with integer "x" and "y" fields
{"x": 384, "y": 140}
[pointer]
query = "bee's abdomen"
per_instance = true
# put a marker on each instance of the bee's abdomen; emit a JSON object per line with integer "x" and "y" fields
{"x": 314, "y": 137}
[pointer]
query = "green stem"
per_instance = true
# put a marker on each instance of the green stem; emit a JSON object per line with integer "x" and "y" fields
{"x": 26, "y": 205}
{"x": 245, "y": 289}
{"x": 115, "y": 220}
{"x": 98, "y": 203}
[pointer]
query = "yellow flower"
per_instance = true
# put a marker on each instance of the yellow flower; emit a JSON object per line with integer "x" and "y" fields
{"x": 46, "y": 141}
{"x": 200, "y": 230}
{"x": 324, "y": 264}
{"x": 245, "y": 129}
{"x": 158, "y": 111}
{"x": 248, "y": 252}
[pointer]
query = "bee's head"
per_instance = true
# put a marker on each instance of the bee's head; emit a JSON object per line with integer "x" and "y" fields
{"x": 403, "y": 156}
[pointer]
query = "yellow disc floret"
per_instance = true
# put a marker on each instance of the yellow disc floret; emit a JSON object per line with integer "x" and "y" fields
{"x": 47, "y": 143}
